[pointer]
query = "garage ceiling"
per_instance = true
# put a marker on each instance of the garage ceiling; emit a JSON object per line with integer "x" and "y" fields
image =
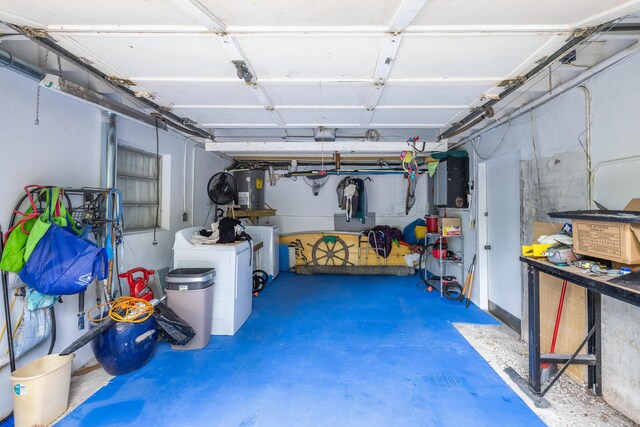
{"x": 403, "y": 67}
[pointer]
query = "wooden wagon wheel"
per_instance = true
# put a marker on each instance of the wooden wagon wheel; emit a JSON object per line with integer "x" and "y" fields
{"x": 330, "y": 250}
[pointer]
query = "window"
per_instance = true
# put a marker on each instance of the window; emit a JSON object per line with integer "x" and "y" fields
{"x": 138, "y": 177}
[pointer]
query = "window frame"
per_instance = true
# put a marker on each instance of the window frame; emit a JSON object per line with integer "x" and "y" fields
{"x": 160, "y": 204}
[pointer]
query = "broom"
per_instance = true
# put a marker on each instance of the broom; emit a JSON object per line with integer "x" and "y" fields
{"x": 549, "y": 369}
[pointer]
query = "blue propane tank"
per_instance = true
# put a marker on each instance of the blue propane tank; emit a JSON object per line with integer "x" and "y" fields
{"x": 126, "y": 347}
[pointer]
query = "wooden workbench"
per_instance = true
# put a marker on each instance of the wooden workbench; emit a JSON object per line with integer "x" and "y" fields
{"x": 595, "y": 287}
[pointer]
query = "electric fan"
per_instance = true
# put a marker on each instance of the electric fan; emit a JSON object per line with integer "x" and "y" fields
{"x": 222, "y": 190}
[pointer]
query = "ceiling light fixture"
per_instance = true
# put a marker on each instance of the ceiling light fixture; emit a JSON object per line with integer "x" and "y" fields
{"x": 243, "y": 71}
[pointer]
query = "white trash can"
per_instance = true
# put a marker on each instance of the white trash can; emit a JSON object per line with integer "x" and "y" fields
{"x": 190, "y": 295}
{"x": 41, "y": 390}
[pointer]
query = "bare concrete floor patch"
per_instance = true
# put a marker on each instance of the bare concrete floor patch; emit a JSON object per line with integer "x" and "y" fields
{"x": 84, "y": 383}
{"x": 571, "y": 403}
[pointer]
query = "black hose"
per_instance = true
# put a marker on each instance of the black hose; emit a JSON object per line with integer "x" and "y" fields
{"x": 422, "y": 261}
{"x": 453, "y": 291}
{"x": 7, "y": 310}
{"x": 5, "y": 281}
{"x": 260, "y": 278}
{"x": 33, "y": 191}
{"x": 53, "y": 330}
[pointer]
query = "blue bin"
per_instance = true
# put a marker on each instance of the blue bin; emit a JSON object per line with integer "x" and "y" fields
{"x": 126, "y": 347}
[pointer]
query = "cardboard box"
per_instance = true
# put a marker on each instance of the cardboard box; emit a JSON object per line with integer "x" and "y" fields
{"x": 632, "y": 267}
{"x": 450, "y": 226}
{"x": 614, "y": 241}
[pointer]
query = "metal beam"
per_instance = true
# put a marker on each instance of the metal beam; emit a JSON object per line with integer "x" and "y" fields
{"x": 56, "y": 83}
{"x": 512, "y": 113}
{"x": 342, "y": 146}
{"x": 233, "y": 50}
{"x": 476, "y": 116}
{"x": 42, "y": 38}
{"x": 405, "y": 14}
{"x": 200, "y": 14}
{"x": 230, "y": 45}
{"x": 8, "y": 60}
{"x": 328, "y": 125}
{"x": 321, "y": 107}
{"x": 386, "y": 59}
{"x": 494, "y": 81}
{"x": 310, "y": 31}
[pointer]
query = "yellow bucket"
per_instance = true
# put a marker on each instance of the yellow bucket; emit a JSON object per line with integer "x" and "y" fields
{"x": 41, "y": 390}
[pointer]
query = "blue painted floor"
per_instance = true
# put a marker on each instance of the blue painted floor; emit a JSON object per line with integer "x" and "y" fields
{"x": 322, "y": 351}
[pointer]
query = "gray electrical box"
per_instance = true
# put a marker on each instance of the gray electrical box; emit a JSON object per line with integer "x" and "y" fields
{"x": 340, "y": 222}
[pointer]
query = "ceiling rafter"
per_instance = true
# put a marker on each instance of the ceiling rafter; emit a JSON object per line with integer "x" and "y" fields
{"x": 347, "y": 146}
{"x": 359, "y": 31}
{"x": 405, "y": 14}
{"x": 507, "y": 43}
{"x": 491, "y": 81}
{"x": 230, "y": 45}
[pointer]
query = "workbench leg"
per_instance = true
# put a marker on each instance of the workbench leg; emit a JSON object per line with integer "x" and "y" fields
{"x": 533, "y": 288}
{"x": 594, "y": 346}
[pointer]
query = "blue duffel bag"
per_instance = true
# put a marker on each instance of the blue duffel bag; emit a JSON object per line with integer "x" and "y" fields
{"x": 63, "y": 263}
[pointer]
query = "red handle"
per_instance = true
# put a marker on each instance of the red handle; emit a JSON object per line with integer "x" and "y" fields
{"x": 558, "y": 317}
{"x": 129, "y": 275}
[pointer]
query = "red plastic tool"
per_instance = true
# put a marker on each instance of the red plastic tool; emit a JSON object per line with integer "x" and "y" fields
{"x": 139, "y": 286}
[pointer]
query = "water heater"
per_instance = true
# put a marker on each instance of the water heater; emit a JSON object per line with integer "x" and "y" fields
{"x": 250, "y": 189}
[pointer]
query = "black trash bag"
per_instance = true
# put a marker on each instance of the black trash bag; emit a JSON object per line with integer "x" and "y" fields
{"x": 172, "y": 328}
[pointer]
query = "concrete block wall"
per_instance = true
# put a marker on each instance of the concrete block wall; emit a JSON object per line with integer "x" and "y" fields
{"x": 559, "y": 130}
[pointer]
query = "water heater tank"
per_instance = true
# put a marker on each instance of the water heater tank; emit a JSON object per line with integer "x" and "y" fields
{"x": 250, "y": 189}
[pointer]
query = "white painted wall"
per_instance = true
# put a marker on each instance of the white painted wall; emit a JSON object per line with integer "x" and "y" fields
{"x": 65, "y": 150}
{"x": 139, "y": 250}
{"x": 615, "y": 132}
{"x": 299, "y": 210}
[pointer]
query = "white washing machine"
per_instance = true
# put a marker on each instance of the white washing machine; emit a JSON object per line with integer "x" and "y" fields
{"x": 267, "y": 258}
{"x": 233, "y": 287}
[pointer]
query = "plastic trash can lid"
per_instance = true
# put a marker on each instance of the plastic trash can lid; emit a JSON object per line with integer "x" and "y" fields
{"x": 183, "y": 279}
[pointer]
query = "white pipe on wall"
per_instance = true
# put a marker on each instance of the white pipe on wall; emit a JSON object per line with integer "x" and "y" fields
{"x": 600, "y": 165}
{"x": 193, "y": 179}
{"x": 184, "y": 171}
{"x": 587, "y": 149}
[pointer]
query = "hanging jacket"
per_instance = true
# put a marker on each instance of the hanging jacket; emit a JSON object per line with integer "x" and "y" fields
{"x": 360, "y": 209}
{"x": 349, "y": 196}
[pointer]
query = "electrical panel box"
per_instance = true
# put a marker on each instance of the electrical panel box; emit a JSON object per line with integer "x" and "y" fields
{"x": 452, "y": 183}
